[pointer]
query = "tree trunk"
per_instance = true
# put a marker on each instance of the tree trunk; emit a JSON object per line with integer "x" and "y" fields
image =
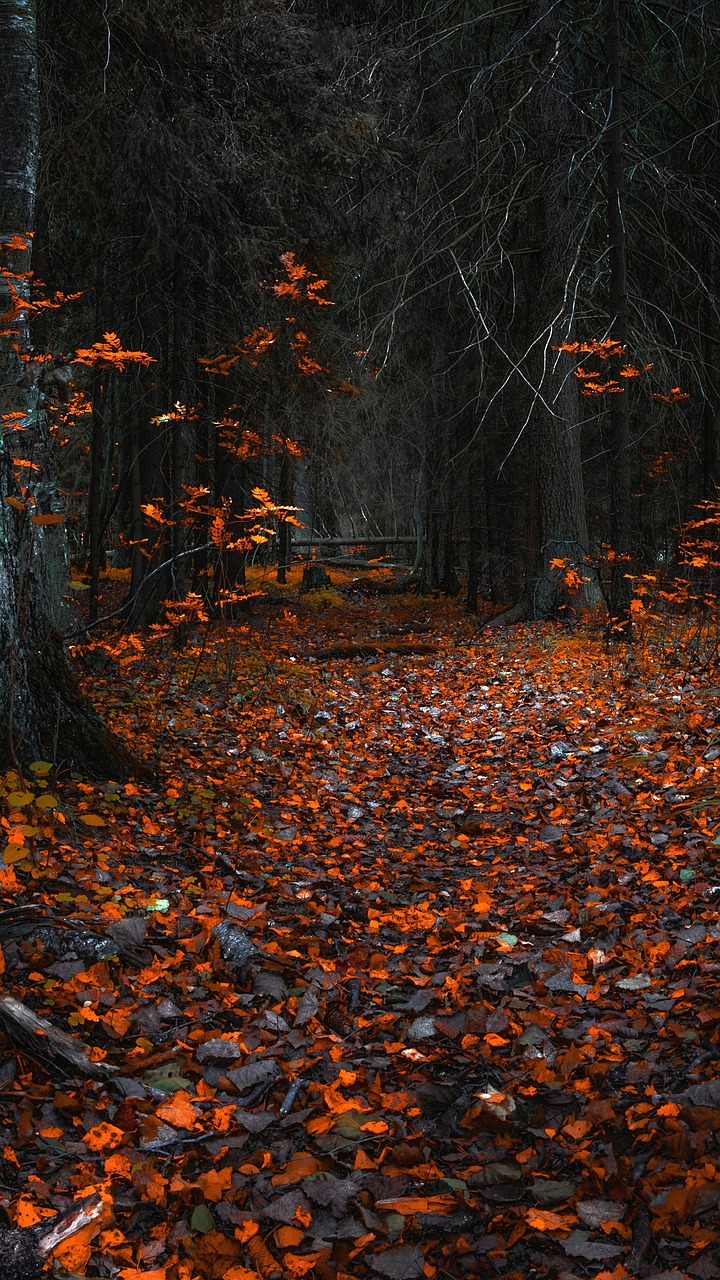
{"x": 438, "y": 566}
{"x": 285, "y": 531}
{"x": 620, "y": 587}
{"x": 548, "y": 399}
{"x": 98, "y": 445}
{"x": 42, "y": 712}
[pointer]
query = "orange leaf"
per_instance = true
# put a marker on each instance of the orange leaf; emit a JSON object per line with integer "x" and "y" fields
{"x": 299, "y": 1166}
{"x": 298, "y": 1264}
{"x": 178, "y": 1111}
{"x": 74, "y": 1253}
{"x": 52, "y": 518}
{"x": 149, "y": 1183}
{"x": 27, "y": 1214}
{"x": 104, "y": 1137}
{"x": 118, "y": 1020}
{"x": 213, "y": 1183}
{"x": 247, "y": 1231}
{"x": 443, "y": 1205}
{"x": 285, "y": 1237}
{"x": 263, "y": 1259}
{"x": 119, "y": 1165}
{"x": 577, "y": 1128}
{"x": 545, "y": 1220}
{"x": 132, "y": 1273}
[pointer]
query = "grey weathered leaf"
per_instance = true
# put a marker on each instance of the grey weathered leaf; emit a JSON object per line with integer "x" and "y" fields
{"x": 579, "y": 1245}
{"x": 401, "y": 1263}
{"x": 563, "y": 981}
{"x": 702, "y": 1095}
{"x": 330, "y": 1192}
{"x": 308, "y": 1006}
{"x": 254, "y": 1121}
{"x": 274, "y": 1022}
{"x": 254, "y": 1072}
{"x": 285, "y": 1207}
{"x": 236, "y": 946}
{"x": 218, "y": 1050}
{"x": 593, "y": 1212}
{"x": 130, "y": 930}
{"x": 551, "y": 834}
{"x": 422, "y": 1029}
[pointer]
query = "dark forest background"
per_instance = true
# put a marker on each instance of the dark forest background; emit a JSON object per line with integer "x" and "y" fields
{"x": 512, "y": 209}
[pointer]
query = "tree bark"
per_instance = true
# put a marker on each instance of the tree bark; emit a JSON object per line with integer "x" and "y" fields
{"x": 42, "y": 711}
{"x": 557, "y": 525}
{"x": 619, "y": 623}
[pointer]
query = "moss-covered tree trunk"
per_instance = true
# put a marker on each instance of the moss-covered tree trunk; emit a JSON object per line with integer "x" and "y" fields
{"x": 43, "y": 714}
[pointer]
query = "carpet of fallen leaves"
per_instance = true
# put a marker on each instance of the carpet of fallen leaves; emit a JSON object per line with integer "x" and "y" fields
{"x": 407, "y": 964}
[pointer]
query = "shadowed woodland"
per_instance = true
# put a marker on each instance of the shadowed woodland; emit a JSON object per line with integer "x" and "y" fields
{"x": 359, "y": 642}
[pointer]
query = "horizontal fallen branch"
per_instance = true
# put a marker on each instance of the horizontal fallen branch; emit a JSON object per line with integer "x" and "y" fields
{"x": 374, "y": 541}
{"x": 353, "y": 562}
{"x": 42, "y": 1039}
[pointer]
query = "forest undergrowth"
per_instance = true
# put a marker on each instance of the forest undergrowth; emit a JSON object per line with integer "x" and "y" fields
{"x": 400, "y": 964}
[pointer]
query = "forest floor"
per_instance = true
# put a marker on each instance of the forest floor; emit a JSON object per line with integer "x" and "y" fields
{"x": 405, "y": 965}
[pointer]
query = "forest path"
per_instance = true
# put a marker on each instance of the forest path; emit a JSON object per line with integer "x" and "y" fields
{"x": 481, "y": 927}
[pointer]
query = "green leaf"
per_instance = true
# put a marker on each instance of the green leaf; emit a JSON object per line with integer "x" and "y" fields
{"x": 549, "y": 1191}
{"x": 167, "y": 1079}
{"x": 41, "y": 768}
{"x": 202, "y": 1219}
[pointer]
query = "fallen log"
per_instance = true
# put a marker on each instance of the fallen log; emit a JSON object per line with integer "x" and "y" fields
{"x": 353, "y": 562}
{"x": 42, "y": 1039}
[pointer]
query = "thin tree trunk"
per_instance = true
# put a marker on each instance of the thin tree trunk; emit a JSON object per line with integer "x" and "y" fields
{"x": 474, "y": 532}
{"x": 285, "y": 530}
{"x": 620, "y": 587}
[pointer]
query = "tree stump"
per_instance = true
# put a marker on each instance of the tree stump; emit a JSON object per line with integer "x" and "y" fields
{"x": 314, "y": 577}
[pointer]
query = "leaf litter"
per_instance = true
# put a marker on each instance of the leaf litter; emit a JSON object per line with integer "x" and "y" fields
{"x": 403, "y": 967}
